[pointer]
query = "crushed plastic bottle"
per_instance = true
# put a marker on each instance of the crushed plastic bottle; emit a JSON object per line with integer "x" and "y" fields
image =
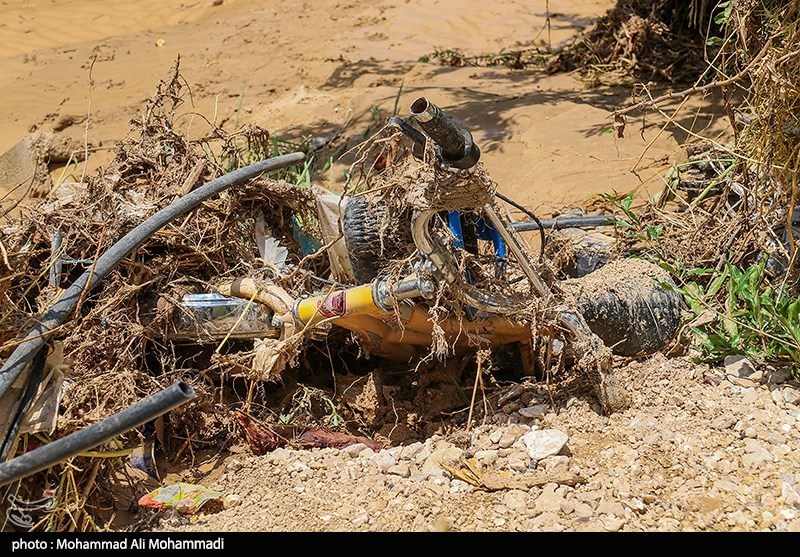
{"x": 210, "y": 316}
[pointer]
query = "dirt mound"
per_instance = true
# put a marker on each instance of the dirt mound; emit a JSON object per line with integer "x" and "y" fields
{"x": 687, "y": 456}
{"x": 661, "y": 41}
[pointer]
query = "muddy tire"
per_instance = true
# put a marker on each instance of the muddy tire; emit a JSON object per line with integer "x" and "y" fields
{"x": 626, "y": 305}
{"x": 362, "y": 223}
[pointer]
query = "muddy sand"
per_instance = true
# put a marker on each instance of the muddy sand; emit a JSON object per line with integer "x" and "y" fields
{"x": 308, "y": 69}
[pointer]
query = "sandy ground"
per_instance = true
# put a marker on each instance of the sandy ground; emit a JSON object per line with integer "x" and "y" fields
{"x": 307, "y": 69}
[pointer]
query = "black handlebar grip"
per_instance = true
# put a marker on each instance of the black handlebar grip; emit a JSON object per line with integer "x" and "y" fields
{"x": 457, "y": 147}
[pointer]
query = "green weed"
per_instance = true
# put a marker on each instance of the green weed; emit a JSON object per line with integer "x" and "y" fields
{"x": 737, "y": 311}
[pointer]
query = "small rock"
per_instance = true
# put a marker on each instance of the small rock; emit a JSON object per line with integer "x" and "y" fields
{"x": 750, "y": 395}
{"x": 794, "y": 526}
{"x": 515, "y": 499}
{"x": 545, "y": 520}
{"x": 771, "y": 437}
{"x": 402, "y": 470}
{"x": 636, "y": 505}
{"x": 555, "y": 464}
{"x": 384, "y": 460}
{"x": 449, "y": 456}
{"x": 366, "y": 452}
{"x": 643, "y": 420}
{"x": 486, "y": 458}
{"x": 279, "y": 455}
{"x": 567, "y": 506}
{"x": 612, "y": 524}
{"x": 351, "y": 450}
{"x": 536, "y": 411}
{"x": 791, "y": 396}
{"x": 26, "y": 162}
{"x": 513, "y": 393}
{"x": 549, "y": 500}
{"x": 613, "y": 508}
{"x": 738, "y": 366}
{"x": 299, "y": 489}
{"x": 234, "y": 465}
{"x": 519, "y": 461}
{"x": 459, "y": 486}
{"x": 741, "y": 381}
{"x": 778, "y": 376}
{"x": 583, "y": 510}
{"x": 724, "y": 421}
{"x": 495, "y": 436}
{"x": 789, "y": 495}
{"x": 410, "y": 451}
{"x": 725, "y": 486}
{"x": 360, "y": 519}
{"x": 542, "y": 443}
{"x": 756, "y": 454}
{"x": 511, "y": 434}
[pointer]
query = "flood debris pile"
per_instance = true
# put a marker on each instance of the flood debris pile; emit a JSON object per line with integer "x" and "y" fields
{"x": 117, "y": 347}
{"x": 414, "y": 264}
{"x": 726, "y": 224}
{"x": 659, "y": 41}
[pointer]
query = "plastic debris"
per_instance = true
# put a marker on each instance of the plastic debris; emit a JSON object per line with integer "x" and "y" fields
{"x": 143, "y": 459}
{"x": 184, "y": 498}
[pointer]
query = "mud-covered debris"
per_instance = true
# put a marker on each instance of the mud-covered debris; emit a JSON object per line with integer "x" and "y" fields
{"x": 263, "y": 439}
{"x": 24, "y": 166}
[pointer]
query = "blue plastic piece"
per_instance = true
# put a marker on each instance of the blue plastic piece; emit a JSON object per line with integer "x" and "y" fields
{"x": 308, "y": 245}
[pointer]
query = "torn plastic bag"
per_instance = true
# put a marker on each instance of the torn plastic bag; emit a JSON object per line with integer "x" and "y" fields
{"x": 330, "y": 208}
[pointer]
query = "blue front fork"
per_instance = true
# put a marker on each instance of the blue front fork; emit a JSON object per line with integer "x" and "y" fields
{"x": 485, "y": 231}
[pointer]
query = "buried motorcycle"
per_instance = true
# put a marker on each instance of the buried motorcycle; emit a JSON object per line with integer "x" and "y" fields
{"x": 449, "y": 246}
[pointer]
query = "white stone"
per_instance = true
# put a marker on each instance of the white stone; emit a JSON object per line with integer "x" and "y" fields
{"x": 739, "y": 366}
{"x": 613, "y": 524}
{"x": 791, "y": 396}
{"x": 535, "y": 411}
{"x": 384, "y": 460}
{"x": 789, "y": 495}
{"x": 515, "y": 499}
{"x": 401, "y": 470}
{"x": 544, "y": 442}
{"x": 549, "y": 500}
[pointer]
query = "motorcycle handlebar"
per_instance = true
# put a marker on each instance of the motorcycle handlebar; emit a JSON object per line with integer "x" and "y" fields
{"x": 456, "y": 145}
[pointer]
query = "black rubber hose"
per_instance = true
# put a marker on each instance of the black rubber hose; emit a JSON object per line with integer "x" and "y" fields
{"x": 565, "y": 222}
{"x": 65, "y": 305}
{"x": 531, "y": 214}
{"x": 96, "y": 434}
{"x": 31, "y": 388}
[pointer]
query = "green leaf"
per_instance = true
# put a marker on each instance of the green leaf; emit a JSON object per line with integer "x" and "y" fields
{"x": 723, "y": 16}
